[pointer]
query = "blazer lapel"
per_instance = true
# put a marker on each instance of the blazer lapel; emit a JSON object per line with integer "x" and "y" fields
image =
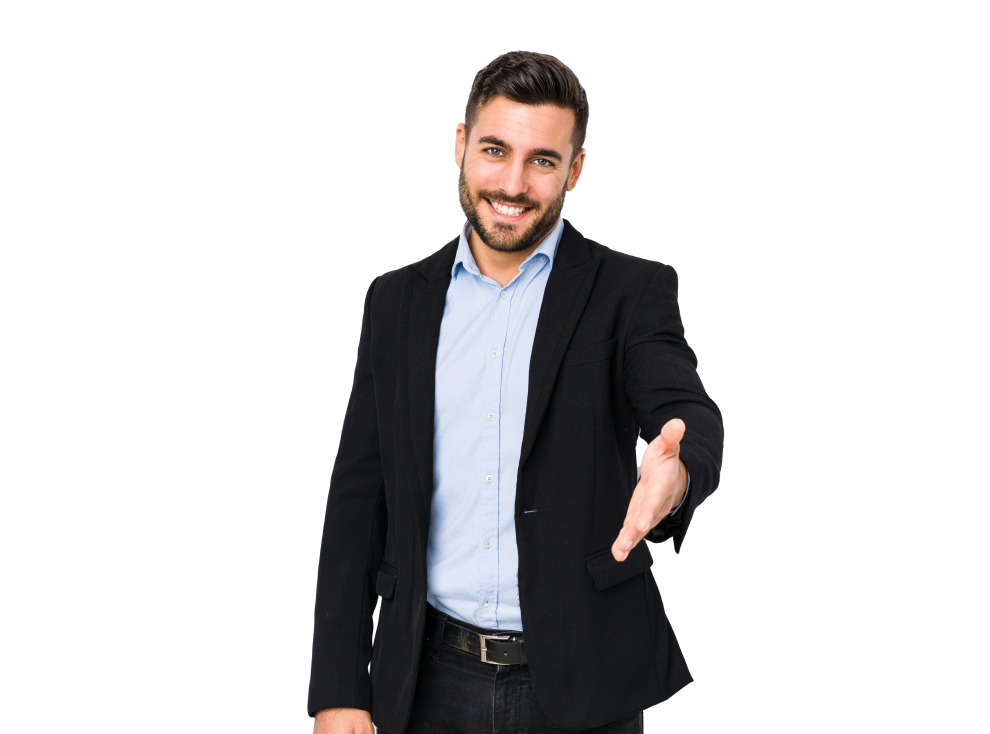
{"x": 423, "y": 299}
{"x": 564, "y": 299}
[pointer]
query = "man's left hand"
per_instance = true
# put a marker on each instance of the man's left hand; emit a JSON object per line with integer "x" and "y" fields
{"x": 661, "y": 487}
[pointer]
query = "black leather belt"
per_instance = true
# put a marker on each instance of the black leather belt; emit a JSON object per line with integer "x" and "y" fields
{"x": 505, "y": 648}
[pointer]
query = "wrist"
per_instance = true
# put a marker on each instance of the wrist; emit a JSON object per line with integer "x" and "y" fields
{"x": 682, "y": 481}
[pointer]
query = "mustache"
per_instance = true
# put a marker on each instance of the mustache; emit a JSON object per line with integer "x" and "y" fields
{"x": 501, "y": 198}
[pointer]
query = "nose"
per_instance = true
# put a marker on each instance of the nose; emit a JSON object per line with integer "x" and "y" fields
{"x": 512, "y": 180}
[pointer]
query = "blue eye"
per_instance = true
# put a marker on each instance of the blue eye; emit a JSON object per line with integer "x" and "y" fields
{"x": 493, "y": 151}
{"x": 544, "y": 164}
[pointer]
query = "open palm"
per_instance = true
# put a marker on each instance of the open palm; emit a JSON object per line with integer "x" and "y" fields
{"x": 662, "y": 482}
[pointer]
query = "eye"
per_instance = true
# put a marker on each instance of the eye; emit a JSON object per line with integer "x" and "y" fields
{"x": 542, "y": 162}
{"x": 493, "y": 151}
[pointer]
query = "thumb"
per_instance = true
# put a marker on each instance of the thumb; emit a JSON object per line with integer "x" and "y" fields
{"x": 670, "y": 436}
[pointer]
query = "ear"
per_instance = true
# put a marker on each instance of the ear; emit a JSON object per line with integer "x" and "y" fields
{"x": 460, "y": 142}
{"x": 576, "y": 167}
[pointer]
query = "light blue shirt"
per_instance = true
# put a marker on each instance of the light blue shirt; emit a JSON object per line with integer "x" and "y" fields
{"x": 482, "y": 384}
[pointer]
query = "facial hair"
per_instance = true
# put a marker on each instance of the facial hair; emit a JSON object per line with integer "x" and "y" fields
{"x": 504, "y": 236}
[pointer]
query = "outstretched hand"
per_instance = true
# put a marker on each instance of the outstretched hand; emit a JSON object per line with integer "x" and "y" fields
{"x": 661, "y": 487}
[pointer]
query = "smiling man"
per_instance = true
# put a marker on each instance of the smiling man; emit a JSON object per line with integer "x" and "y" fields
{"x": 539, "y": 175}
{"x": 485, "y": 485}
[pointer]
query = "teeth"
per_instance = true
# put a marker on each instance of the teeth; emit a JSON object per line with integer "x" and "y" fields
{"x": 509, "y": 211}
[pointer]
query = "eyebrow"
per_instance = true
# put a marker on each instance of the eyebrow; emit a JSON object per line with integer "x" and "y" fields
{"x": 541, "y": 152}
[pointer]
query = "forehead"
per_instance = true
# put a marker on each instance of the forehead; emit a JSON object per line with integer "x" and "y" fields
{"x": 525, "y": 126}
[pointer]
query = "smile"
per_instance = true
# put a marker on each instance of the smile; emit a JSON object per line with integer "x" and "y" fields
{"x": 506, "y": 211}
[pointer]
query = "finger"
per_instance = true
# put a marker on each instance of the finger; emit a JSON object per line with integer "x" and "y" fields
{"x": 670, "y": 435}
{"x": 619, "y": 551}
{"x": 628, "y": 537}
{"x": 623, "y": 544}
{"x": 623, "y": 541}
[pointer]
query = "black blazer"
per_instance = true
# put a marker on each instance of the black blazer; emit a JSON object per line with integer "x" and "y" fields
{"x": 609, "y": 363}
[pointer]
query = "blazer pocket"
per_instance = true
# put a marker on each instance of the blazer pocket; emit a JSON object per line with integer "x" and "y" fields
{"x": 585, "y": 353}
{"x": 385, "y": 586}
{"x": 607, "y": 571}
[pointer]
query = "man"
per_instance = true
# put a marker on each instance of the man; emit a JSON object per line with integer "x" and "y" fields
{"x": 485, "y": 485}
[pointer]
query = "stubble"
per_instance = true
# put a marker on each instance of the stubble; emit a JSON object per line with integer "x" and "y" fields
{"x": 505, "y": 236}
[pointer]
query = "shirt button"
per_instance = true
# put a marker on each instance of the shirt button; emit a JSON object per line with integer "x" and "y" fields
{"x": 488, "y": 544}
{"x": 489, "y": 478}
{"x": 486, "y": 606}
{"x": 543, "y": 258}
{"x": 491, "y": 416}
{"x": 504, "y": 294}
{"x": 494, "y": 352}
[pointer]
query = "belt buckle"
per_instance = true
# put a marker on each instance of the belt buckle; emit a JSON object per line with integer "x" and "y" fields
{"x": 484, "y": 649}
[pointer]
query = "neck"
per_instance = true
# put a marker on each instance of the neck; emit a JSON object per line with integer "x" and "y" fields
{"x": 501, "y": 262}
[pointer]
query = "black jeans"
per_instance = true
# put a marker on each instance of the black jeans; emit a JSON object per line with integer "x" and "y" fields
{"x": 457, "y": 693}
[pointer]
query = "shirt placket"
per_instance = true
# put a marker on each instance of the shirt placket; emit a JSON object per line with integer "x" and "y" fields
{"x": 491, "y": 436}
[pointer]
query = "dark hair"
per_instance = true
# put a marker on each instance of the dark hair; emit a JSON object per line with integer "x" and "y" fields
{"x": 533, "y": 79}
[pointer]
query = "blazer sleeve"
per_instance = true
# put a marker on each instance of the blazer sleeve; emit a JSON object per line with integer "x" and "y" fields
{"x": 351, "y": 550}
{"x": 662, "y": 382}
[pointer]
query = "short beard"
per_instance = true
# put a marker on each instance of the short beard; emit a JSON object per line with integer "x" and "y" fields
{"x": 503, "y": 237}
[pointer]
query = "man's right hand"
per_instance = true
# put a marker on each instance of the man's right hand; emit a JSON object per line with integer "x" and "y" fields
{"x": 343, "y": 721}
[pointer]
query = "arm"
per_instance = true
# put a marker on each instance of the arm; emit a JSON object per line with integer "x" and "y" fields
{"x": 351, "y": 551}
{"x": 662, "y": 384}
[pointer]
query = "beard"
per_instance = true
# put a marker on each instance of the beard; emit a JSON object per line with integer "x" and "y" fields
{"x": 506, "y": 236}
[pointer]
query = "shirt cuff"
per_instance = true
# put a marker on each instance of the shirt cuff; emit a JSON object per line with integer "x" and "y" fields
{"x": 684, "y": 498}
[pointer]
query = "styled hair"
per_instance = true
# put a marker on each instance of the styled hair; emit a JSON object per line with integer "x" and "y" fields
{"x": 533, "y": 79}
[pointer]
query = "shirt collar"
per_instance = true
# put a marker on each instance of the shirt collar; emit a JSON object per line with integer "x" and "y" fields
{"x": 547, "y": 247}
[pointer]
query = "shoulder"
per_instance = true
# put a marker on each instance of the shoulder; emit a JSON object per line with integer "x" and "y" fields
{"x": 385, "y": 291}
{"x": 630, "y": 273}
